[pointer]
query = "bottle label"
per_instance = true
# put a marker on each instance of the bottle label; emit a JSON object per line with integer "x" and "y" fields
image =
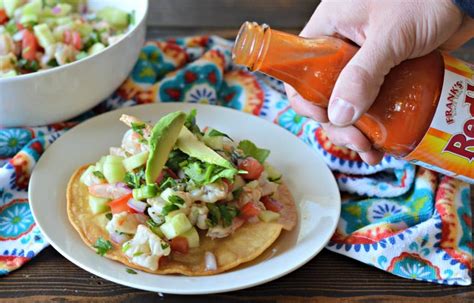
{"x": 448, "y": 146}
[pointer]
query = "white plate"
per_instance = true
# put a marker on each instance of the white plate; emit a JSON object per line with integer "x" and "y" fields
{"x": 308, "y": 177}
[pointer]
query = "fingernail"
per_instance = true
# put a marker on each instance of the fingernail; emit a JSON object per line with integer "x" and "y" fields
{"x": 341, "y": 112}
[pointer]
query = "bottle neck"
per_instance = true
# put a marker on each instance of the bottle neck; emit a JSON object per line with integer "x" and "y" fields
{"x": 310, "y": 66}
{"x": 251, "y": 45}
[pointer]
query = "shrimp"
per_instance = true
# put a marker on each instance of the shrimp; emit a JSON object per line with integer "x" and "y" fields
{"x": 128, "y": 120}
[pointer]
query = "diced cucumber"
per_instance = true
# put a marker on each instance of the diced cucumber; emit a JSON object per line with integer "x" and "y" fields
{"x": 10, "y": 6}
{"x": 64, "y": 21}
{"x": 268, "y": 216}
{"x": 27, "y": 20}
{"x": 113, "y": 169}
{"x": 112, "y": 158}
{"x": 74, "y": 3}
{"x": 1, "y": 4}
{"x": 167, "y": 193}
{"x": 86, "y": 173}
{"x": 192, "y": 236}
{"x": 84, "y": 29}
{"x": 115, "y": 17}
{"x": 98, "y": 205}
{"x": 239, "y": 182}
{"x": 35, "y": 7}
{"x": 135, "y": 161}
{"x": 81, "y": 55}
{"x": 11, "y": 73}
{"x": 176, "y": 226}
{"x": 100, "y": 164}
{"x": 145, "y": 192}
{"x": 64, "y": 9}
{"x": 272, "y": 172}
{"x": 94, "y": 49}
{"x": 172, "y": 214}
{"x": 44, "y": 35}
{"x": 214, "y": 142}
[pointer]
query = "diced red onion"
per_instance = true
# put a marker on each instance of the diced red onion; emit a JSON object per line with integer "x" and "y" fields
{"x": 171, "y": 173}
{"x": 210, "y": 261}
{"x": 56, "y": 10}
{"x": 160, "y": 177}
{"x": 136, "y": 205}
{"x": 118, "y": 238}
{"x": 82, "y": 8}
{"x": 109, "y": 191}
{"x": 18, "y": 36}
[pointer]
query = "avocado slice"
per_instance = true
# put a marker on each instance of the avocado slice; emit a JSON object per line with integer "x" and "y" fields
{"x": 190, "y": 145}
{"x": 162, "y": 140}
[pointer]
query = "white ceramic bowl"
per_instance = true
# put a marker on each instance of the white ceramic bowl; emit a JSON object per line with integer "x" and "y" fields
{"x": 63, "y": 92}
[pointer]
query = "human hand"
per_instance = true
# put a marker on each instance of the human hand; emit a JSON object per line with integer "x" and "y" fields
{"x": 388, "y": 32}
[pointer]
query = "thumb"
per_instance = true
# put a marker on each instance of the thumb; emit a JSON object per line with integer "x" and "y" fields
{"x": 359, "y": 82}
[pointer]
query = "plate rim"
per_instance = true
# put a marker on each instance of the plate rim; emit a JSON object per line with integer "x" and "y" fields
{"x": 177, "y": 290}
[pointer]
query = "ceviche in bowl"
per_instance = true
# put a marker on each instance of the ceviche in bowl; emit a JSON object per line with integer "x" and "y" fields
{"x": 174, "y": 199}
{"x": 59, "y": 58}
{"x": 43, "y": 34}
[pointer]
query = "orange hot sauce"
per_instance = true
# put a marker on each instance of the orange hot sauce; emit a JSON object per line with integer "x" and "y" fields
{"x": 404, "y": 113}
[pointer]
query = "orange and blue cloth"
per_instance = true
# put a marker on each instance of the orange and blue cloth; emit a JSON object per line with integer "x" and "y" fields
{"x": 406, "y": 220}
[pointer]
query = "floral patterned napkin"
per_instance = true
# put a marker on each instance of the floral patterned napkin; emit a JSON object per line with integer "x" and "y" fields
{"x": 406, "y": 220}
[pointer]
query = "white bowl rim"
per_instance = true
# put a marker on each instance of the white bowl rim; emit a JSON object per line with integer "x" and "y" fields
{"x": 135, "y": 27}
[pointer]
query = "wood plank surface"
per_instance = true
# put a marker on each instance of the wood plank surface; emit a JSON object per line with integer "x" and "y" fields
{"x": 327, "y": 278}
{"x": 229, "y": 13}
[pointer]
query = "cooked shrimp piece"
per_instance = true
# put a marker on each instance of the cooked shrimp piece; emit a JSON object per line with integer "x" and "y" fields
{"x": 128, "y": 120}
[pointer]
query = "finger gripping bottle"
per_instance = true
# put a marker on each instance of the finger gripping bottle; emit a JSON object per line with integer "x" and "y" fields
{"x": 424, "y": 112}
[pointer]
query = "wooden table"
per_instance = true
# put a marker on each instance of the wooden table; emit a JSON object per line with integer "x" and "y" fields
{"x": 329, "y": 277}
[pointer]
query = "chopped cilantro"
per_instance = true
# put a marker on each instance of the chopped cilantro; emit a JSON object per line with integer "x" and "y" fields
{"x": 216, "y": 133}
{"x": 167, "y": 183}
{"x": 190, "y": 123}
{"x": 164, "y": 246}
{"x": 177, "y": 200}
{"x": 131, "y": 271}
{"x": 168, "y": 208}
{"x": 175, "y": 158}
{"x": 138, "y": 253}
{"x": 102, "y": 246}
{"x": 126, "y": 247}
{"x": 151, "y": 223}
{"x": 251, "y": 150}
{"x": 134, "y": 180}
{"x": 228, "y": 213}
{"x": 98, "y": 174}
{"x": 138, "y": 127}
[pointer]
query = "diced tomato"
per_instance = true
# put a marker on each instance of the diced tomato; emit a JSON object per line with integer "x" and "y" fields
{"x": 3, "y": 17}
{"x": 76, "y": 40}
{"x": 180, "y": 244}
{"x": 67, "y": 37}
{"x": 29, "y": 45}
{"x": 253, "y": 167}
{"x": 72, "y": 38}
{"x": 119, "y": 205}
{"x": 249, "y": 210}
{"x": 20, "y": 26}
{"x": 271, "y": 204}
